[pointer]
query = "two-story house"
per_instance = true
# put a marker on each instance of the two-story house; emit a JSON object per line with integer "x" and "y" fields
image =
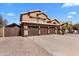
{"x": 37, "y": 23}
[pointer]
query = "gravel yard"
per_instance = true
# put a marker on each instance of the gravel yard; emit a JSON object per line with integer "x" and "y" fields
{"x": 43, "y": 45}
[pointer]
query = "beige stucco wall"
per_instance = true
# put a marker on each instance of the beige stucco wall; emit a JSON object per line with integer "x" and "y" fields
{"x": 40, "y": 21}
{"x": 25, "y": 30}
{"x": 32, "y": 20}
{"x": 25, "y": 17}
{"x": 42, "y": 16}
{"x": 46, "y": 20}
{"x": 34, "y": 14}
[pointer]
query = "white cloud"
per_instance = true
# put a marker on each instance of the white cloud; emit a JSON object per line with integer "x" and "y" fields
{"x": 70, "y": 4}
{"x": 73, "y": 13}
{"x": 10, "y": 14}
{"x": 69, "y": 16}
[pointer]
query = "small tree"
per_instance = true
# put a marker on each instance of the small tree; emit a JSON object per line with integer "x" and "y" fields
{"x": 3, "y": 23}
{"x": 69, "y": 26}
{"x": 76, "y": 26}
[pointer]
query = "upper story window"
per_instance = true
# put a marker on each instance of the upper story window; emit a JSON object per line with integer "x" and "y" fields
{"x": 44, "y": 20}
{"x": 54, "y": 22}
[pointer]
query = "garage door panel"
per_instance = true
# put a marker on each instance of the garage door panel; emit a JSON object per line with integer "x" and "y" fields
{"x": 52, "y": 30}
{"x": 32, "y": 30}
{"x": 43, "y": 30}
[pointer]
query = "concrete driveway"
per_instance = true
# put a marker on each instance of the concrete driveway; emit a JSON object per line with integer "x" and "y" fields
{"x": 59, "y": 45}
{"x": 20, "y": 46}
{"x": 43, "y": 45}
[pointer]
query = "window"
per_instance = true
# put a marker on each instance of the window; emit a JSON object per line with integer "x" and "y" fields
{"x": 44, "y": 20}
{"x": 54, "y": 22}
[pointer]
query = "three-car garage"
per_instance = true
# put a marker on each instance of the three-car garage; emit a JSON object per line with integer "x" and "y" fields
{"x": 37, "y": 29}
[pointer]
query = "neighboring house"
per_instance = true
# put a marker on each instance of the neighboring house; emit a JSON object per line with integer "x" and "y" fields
{"x": 12, "y": 30}
{"x": 37, "y": 23}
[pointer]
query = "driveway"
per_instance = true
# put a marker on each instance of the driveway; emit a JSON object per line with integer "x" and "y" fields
{"x": 43, "y": 45}
{"x": 59, "y": 45}
{"x": 21, "y": 46}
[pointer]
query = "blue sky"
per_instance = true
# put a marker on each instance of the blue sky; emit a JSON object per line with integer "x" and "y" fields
{"x": 62, "y": 11}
